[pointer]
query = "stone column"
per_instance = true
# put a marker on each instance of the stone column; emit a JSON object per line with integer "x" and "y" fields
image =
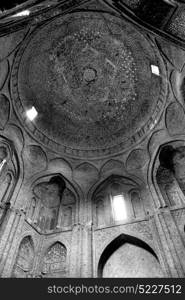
{"x": 5, "y": 228}
{"x": 59, "y": 216}
{"x": 171, "y": 241}
{"x": 29, "y": 210}
{"x": 37, "y": 268}
{"x": 85, "y": 221}
{"x": 37, "y": 210}
{"x": 75, "y": 254}
{"x": 7, "y": 236}
{"x": 86, "y": 253}
{"x": 12, "y": 245}
{"x": 1, "y": 213}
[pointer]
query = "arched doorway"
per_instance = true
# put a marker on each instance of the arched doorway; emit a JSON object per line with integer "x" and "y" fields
{"x": 128, "y": 257}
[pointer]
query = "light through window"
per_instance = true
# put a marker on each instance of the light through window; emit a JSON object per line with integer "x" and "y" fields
{"x": 22, "y": 13}
{"x": 155, "y": 70}
{"x": 2, "y": 164}
{"x": 119, "y": 208}
{"x": 31, "y": 113}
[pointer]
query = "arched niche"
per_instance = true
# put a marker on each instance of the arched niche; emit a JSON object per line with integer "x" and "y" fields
{"x": 137, "y": 203}
{"x": 54, "y": 261}
{"x": 117, "y": 200}
{"x": 52, "y": 204}
{"x": 6, "y": 182}
{"x": 170, "y": 174}
{"x": 24, "y": 259}
{"x": 128, "y": 257}
{"x": 9, "y": 174}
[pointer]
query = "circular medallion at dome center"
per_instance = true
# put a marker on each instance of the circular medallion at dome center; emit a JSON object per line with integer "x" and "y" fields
{"x": 89, "y": 77}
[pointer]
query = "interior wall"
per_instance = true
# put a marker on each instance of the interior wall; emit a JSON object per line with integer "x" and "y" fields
{"x": 131, "y": 261}
{"x": 70, "y": 222}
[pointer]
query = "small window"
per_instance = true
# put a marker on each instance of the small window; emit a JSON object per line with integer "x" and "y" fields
{"x": 3, "y": 162}
{"x": 31, "y": 113}
{"x": 155, "y": 70}
{"x": 119, "y": 208}
{"x": 23, "y": 13}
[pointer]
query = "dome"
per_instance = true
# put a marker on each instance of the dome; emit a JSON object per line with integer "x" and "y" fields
{"x": 89, "y": 77}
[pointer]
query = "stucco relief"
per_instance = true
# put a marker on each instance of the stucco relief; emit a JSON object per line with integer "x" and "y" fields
{"x": 137, "y": 159}
{"x": 111, "y": 167}
{"x": 35, "y": 159}
{"x": 24, "y": 260}
{"x": 54, "y": 261}
{"x": 86, "y": 175}
{"x": 58, "y": 164}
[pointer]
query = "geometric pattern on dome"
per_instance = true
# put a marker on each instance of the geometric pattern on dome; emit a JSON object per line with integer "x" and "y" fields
{"x": 89, "y": 76}
{"x": 99, "y": 84}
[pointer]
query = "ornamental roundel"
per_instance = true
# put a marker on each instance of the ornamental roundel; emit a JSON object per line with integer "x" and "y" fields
{"x": 89, "y": 77}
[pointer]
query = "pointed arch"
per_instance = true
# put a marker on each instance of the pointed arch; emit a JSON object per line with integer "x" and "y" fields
{"x": 11, "y": 170}
{"x": 168, "y": 174}
{"x": 54, "y": 262}
{"x": 113, "y": 195}
{"x": 24, "y": 259}
{"x": 117, "y": 243}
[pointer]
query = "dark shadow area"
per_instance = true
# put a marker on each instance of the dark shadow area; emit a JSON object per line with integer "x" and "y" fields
{"x": 4, "y": 4}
